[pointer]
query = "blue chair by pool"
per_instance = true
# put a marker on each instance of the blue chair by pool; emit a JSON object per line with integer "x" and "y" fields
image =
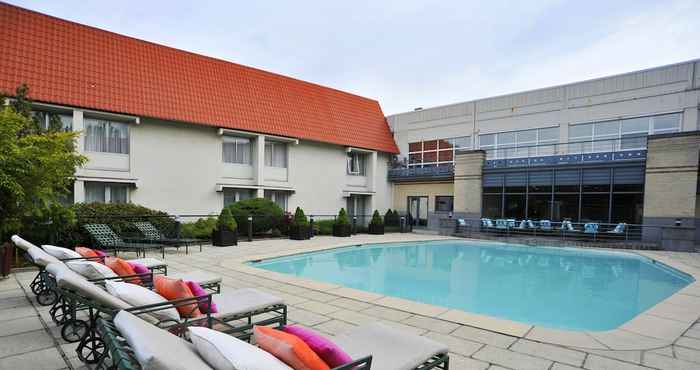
{"x": 621, "y": 228}
{"x": 522, "y": 225}
{"x": 510, "y": 223}
{"x": 546, "y": 225}
{"x": 501, "y": 224}
{"x": 566, "y": 225}
{"x": 530, "y": 224}
{"x": 591, "y": 228}
{"x": 487, "y": 223}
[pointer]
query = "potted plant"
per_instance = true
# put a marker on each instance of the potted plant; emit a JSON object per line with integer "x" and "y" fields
{"x": 299, "y": 229}
{"x": 342, "y": 226}
{"x": 376, "y": 226}
{"x": 226, "y": 232}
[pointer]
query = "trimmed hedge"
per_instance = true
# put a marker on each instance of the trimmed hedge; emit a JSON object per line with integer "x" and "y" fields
{"x": 201, "y": 229}
{"x": 266, "y": 214}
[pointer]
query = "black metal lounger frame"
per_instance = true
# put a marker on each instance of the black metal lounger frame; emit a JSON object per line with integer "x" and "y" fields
{"x": 106, "y": 238}
{"x": 122, "y": 356}
{"x": 91, "y": 346}
{"x": 152, "y": 234}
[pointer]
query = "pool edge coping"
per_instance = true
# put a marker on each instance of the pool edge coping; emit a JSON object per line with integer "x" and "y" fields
{"x": 656, "y": 327}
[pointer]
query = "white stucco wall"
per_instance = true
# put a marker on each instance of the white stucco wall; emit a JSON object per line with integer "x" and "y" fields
{"x": 177, "y": 168}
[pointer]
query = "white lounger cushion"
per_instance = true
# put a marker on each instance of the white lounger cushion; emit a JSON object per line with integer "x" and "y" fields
{"x": 391, "y": 349}
{"x": 91, "y": 270}
{"x": 40, "y": 257}
{"x": 198, "y": 276}
{"x": 149, "y": 262}
{"x": 21, "y": 243}
{"x": 224, "y": 352}
{"x": 137, "y": 295}
{"x": 155, "y": 348}
{"x": 60, "y": 253}
{"x": 238, "y": 301}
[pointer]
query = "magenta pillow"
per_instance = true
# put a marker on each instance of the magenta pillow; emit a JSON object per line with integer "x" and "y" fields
{"x": 140, "y": 269}
{"x": 100, "y": 253}
{"x": 198, "y": 291}
{"x": 322, "y": 346}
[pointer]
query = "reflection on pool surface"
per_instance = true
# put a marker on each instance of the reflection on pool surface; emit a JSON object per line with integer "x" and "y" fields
{"x": 563, "y": 288}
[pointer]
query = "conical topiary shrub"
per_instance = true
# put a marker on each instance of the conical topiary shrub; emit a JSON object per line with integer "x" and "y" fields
{"x": 342, "y": 226}
{"x": 299, "y": 229}
{"x": 226, "y": 232}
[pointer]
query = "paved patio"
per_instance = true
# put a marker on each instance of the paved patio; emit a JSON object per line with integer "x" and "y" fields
{"x": 29, "y": 339}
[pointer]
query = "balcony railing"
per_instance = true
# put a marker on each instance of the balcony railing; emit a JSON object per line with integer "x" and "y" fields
{"x": 625, "y": 149}
{"x": 445, "y": 171}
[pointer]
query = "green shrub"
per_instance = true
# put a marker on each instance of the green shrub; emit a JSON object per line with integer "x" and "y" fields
{"x": 55, "y": 224}
{"x": 376, "y": 218}
{"x": 201, "y": 229}
{"x": 226, "y": 222}
{"x": 391, "y": 218}
{"x": 300, "y": 218}
{"x": 266, "y": 214}
{"x": 342, "y": 218}
{"x": 324, "y": 227}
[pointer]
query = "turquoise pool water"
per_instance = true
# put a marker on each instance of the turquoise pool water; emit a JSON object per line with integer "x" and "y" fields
{"x": 564, "y": 288}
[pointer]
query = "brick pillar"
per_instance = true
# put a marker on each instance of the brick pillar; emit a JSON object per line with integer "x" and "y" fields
{"x": 467, "y": 183}
{"x": 671, "y": 184}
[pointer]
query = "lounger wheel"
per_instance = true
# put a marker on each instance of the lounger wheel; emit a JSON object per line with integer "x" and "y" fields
{"x": 91, "y": 350}
{"x": 74, "y": 330}
{"x": 37, "y": 287}
{"x": 59, "y": 312}
{"x": 47, "y": 297}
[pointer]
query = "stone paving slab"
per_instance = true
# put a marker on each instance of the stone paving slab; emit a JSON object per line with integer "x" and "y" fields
{"x": 332, "y": 310}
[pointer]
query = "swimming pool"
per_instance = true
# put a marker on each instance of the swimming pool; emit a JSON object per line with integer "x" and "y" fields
{"x": 564, "y": 288}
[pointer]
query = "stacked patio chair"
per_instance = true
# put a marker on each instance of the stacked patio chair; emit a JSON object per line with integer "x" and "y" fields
{"x": 238, "y": 311}
{"x": 152, "y": 234}
{"x": 127, "y": 338}
{"x": 107, "y": 239}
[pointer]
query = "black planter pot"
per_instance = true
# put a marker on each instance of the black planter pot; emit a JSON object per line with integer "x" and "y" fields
{"x": 342, "y": 230}
{"x": 224, "y": 238}
{"x": 376, "y": 229}
{"x": 299, "y": 232}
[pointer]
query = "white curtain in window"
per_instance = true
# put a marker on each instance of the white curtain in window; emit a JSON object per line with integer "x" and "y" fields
{"x": 236, "y": 150}
{"x": 118, "y": 193}
{"x": 94, "y": 192}
{"x": 106, "y": 136}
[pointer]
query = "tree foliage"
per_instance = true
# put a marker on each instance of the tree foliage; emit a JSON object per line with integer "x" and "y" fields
{"x": 300, "y": 218}
{"x": 376, "y": 218}
{"x": 37, "y": 164}
{"x": 226, "y": 221}
{"x": 266, "y": 214}
{"x": 342, "y": 218}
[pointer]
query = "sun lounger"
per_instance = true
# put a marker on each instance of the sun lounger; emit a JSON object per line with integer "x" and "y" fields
{"x": 545, "y": 225}
{"x": 567, "y": 226}
{"x": 373, "y": 346}
{"x": 152, "y": 234}
{"x": 107, "y": 239}
{"x": 621, "y": 228}
{"x": 238, "y": 310}
{"x": 487, "y": 223}
{"x": 590, "y": 228}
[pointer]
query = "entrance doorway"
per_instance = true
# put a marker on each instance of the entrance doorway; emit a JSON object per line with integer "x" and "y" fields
{"x": 418, "y": 210}
{"x": 357, "y": 207}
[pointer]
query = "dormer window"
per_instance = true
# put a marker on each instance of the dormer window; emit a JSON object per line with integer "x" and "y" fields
{"x": 356, "y": 163}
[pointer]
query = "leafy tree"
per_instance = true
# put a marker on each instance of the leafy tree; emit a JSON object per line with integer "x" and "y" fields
{"x": 342, "y": 218}
{"x": 266, "y": 214}
{"x": 37, "y": 164}
{"x": 300, "y": 218}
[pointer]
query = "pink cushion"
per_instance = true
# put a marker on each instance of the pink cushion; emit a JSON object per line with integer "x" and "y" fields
{"x": 322, "y": 346}
{"x": 100, "y": 253}
{"x": 140, "y": 269}
{"x": 198, "y": 291}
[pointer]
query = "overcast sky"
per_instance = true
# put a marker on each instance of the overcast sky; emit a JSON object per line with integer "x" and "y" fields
{"x": 408, "y": 53}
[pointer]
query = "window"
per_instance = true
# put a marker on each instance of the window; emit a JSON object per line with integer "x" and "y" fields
{"x": 433, "y": 153}
{"x": 237, "y": 150}
{"x": 279, "y": 197}
{"x": 106, "y": 136}
{"x": 520, "y": 144}
{"x": 626, "y": 134}
{"x": 48, "y": 119}
{"x": 104, "y": 192}
{"x": 356, "y": 164}
{"x": 275, "y": 154}
{"x": 443, "y": 203}
{"x": 233, "y": 195}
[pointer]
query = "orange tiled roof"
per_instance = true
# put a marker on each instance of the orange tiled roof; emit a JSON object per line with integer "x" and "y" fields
{"x": 72, "y": 64}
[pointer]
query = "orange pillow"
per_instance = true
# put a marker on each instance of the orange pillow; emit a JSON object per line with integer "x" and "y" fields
{"x": 172, "y": 289}
{"x": 288, "y": 348}
{"x": 122, "y": 268}
{"x": 86, "y": 252}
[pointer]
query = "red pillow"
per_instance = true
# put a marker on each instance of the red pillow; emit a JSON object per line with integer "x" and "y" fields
{"x": 86, "y": 252}
{"x": 122, "y": 268}
{"x": 288, "y": 348}
{"x": 172, "y": 289}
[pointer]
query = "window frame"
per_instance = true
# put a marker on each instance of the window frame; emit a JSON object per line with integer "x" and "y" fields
{"x": 237, "y": 141}
{"x": 356, "y": 164}
{"x": 274, "y": 147}
{"x": 107, "y": 125}
{"x": 452, "y": 203}
{"x": 107, "y": 188}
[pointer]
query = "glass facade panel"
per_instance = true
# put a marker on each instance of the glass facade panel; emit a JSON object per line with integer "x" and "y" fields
{"x": 627, "y": 208}
{"x": 492, "y": 206}
{"x": 444, "y": 203}
{"x": 595, "y": 207}
{"x": 565, "y": 207}
{"x": 514, "y": 206}
{"x": 539, "y": 206}
{"x": 433, "y": 153}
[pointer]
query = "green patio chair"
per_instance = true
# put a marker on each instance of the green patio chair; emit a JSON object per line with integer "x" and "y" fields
{"x": 107, "y": 239}
{"x": 152, "y": 234}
